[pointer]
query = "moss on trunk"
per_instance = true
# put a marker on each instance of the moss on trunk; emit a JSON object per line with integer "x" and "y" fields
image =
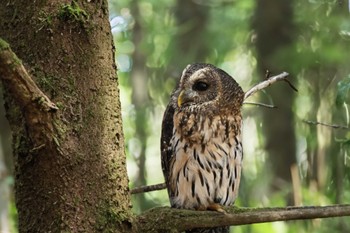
{"x": 72, "y": 177}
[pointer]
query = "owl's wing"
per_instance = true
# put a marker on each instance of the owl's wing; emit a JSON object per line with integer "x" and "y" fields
{"x": 165, "y": 143}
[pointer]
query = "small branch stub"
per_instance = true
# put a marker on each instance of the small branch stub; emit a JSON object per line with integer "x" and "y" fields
{"x": 149, "y": 188}
{"x": 19, "y": 82}
{"x": 35, "y": 105}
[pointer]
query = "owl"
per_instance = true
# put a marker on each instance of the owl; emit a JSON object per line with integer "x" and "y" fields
{"x": 201, "y": 148}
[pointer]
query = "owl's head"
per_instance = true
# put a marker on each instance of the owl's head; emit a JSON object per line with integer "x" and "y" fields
{"x": 203, "y": 85}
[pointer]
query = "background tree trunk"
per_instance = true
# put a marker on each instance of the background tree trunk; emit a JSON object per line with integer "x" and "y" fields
{"x": 141, "y": 101}
{"x": 192, "y": 19}
{"x": 273, "y": 25}
{"x": 70, "y": 172}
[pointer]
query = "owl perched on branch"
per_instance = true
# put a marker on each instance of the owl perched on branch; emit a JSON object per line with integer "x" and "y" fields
{"x": 201, "y": 144}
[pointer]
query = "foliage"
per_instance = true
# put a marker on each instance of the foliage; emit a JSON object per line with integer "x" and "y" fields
{"x": 343, "y": 91}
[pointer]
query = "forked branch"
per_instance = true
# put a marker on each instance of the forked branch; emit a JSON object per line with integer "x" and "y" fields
{"x": 268, "y": 82}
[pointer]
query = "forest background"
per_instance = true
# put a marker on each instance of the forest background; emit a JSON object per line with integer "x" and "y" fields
{"x": 289, "y": 159}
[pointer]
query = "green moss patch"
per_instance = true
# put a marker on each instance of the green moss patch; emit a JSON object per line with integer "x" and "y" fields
{"x": 73, "y": 12}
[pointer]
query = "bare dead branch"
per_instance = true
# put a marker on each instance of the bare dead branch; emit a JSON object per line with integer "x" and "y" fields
{"x": 19, "y": 82}
{"x": 325, "y": 124}
{"x": 149, "y": 188}
{"x": 165, "y": 219}
{"x": 260, "y": 105}
{"x": 281, "y": 77}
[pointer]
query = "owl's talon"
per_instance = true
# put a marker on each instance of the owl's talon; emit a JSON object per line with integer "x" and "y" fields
{"x": 216, "y": 207}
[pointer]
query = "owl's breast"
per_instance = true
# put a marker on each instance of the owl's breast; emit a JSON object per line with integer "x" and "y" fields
{"x": 206, "y": 163}
{"x": 199, "y": 128}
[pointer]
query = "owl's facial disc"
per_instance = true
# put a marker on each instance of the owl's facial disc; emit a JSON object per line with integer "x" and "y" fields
{"x": 196, "y": 90}
{"x": 199, "y": 86}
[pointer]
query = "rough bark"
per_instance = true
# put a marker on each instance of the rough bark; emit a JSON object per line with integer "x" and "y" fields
{"x": 70, "y": 170}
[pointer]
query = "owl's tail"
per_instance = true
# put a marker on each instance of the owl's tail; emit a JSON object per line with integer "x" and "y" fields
{"x": 210, "y": 230}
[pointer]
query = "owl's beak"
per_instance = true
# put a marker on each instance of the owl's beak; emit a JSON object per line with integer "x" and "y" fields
{"x": 185, "y": 96}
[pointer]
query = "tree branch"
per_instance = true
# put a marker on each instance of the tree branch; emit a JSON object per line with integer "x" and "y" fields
{"x": 149, "y": 188}
{"x": 325, "y": 124}
{"x": 281, "y": 77}
{"x": 165, "y": 219}
{"x": 36, "y": 107}
{"x": 19, "y": 83}
{"x": 260, "y": 104}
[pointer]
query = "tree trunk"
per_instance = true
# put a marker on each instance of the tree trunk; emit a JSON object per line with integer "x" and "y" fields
{"x": 192, "y": 21}
{"x": 273, "y": 25}
{"x": 141, "y": 101}
{"x": 70, "y": 172}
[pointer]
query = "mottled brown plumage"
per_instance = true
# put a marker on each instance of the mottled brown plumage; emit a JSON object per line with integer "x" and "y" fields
{"x": 201, "y": 140}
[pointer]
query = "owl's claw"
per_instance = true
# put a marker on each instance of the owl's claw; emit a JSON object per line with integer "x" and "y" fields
{"x": 216, "y": 207}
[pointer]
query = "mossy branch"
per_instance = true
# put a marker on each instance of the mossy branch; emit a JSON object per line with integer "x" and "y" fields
{"x": 19, "y": 83}
{"x": 165, "y": 219}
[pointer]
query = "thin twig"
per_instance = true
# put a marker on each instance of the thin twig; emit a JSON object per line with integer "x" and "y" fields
{"x": 325, "y": 124}
{"x": 281, "y": 77}
{"x": 261, "y": 104}
{"x": 291, "y": 85}
{"x": 148, "y": 188}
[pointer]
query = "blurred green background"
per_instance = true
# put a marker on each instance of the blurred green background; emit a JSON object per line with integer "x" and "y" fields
{"x": 288, "y": 159}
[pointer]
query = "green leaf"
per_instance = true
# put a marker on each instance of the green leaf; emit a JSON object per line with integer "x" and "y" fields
{"x": 343, "y": 92}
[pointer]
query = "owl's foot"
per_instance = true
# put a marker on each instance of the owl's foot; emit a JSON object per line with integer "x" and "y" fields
{"x": 213, "y": 207}
{"x": 216, "y": 207}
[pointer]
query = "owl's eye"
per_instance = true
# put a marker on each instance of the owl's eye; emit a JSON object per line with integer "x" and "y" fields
{"x": 200, "y": 86}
